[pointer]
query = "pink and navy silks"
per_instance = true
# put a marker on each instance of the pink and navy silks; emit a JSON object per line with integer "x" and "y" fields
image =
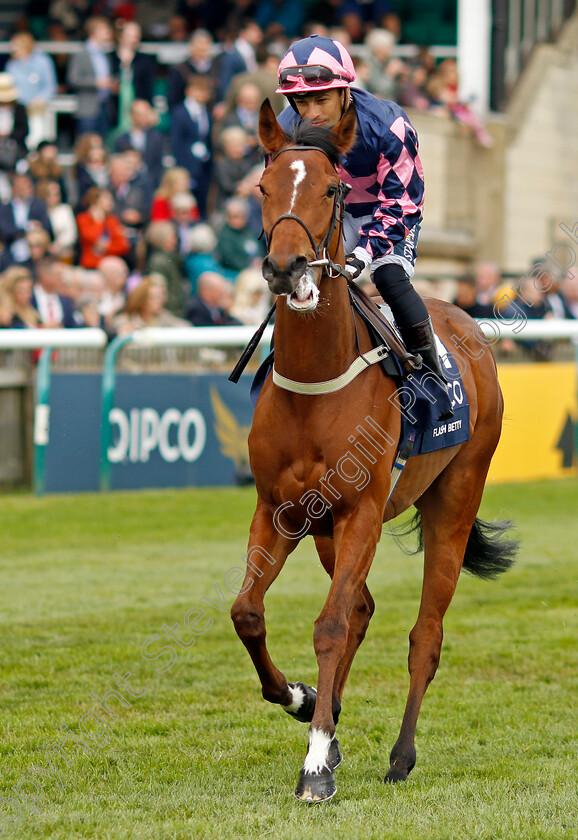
{"x": 386, "y": 174}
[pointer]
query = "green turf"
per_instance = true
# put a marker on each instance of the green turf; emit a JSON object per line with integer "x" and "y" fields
{"x": 87, "y": 579}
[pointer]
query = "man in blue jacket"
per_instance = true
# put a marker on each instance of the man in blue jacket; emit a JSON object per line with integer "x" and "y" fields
{"x": 191, "y": 137}
{"x": 384, "y": 208}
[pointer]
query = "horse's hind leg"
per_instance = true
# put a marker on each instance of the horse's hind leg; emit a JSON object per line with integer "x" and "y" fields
{"x": 448, "y": 510}
{"x": 268, "y": 550}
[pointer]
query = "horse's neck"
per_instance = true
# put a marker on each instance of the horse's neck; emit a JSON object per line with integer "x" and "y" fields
{"x": 320, "y": 345}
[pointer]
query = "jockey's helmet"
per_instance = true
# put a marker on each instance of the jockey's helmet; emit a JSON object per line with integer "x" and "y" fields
{"x": 314, "y": 64}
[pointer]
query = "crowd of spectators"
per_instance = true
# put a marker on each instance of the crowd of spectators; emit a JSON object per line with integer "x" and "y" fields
{"x": 157, "y": 220}
{"x": 541, "y": 293}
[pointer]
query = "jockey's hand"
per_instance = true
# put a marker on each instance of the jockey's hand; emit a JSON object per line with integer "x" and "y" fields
{"x": 353, "y": 266}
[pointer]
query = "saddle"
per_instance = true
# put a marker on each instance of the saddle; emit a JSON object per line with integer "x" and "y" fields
{"x": 382, "y": 332}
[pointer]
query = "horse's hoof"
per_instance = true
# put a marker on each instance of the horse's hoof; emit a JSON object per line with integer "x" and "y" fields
{"x": 335, "y": 756}
{"x": 304, "y": 712}
{"x": 394, "y": 775}
{"x": 316, "y": 788}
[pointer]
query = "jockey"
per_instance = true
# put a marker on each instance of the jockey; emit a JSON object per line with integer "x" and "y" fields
{"x": 383, "y": 211}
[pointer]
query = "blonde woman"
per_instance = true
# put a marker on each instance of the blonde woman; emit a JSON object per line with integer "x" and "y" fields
{"x": 145, "y": 307}
{"x": 175, "y": 180}
{"x": 17, "y": 286}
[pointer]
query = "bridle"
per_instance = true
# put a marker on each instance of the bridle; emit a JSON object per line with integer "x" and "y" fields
{"x": 322, "y": 259}
{"x": 321, "y": 250}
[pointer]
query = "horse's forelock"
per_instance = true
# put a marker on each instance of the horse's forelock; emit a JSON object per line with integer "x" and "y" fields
{"x": 306, "y": 134}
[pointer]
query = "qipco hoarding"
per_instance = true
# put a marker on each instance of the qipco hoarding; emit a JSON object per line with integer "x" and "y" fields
{"x": 165, "y": 431}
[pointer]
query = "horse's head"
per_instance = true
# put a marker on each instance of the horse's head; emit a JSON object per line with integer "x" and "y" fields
{"x": 302, "y": 197}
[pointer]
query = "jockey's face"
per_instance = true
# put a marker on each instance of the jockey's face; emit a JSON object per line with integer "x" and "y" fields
{"x": 322, "y": 108}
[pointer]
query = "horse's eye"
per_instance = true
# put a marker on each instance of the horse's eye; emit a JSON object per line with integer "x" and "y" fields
{"x": 331, "y": 191}
{"x": 261, "y": 190}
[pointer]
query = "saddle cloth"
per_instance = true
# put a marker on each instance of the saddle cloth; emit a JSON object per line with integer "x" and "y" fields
{"x": 420, "y": 401}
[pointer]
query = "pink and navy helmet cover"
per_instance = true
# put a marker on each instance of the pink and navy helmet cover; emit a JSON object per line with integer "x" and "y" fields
{"x": 316, "y": 51}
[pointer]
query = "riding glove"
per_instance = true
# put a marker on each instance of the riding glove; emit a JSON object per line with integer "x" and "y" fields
{"x": 353, "y": 266}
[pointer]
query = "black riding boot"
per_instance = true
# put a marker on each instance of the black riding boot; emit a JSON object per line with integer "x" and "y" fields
{"x": 419, "y": 338}
{"x": 395, "y": 287}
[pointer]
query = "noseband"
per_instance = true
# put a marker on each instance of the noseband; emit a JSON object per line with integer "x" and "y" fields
{"x": 321, "y": 251}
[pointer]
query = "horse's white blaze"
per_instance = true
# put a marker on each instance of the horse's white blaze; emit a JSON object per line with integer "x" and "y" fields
{"x": 298, "y": 698}
{"x": 316, "y": 758}
{"x": 298, "y": 168}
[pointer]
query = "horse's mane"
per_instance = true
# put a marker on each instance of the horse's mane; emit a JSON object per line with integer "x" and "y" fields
{"x": 306, "y": 134}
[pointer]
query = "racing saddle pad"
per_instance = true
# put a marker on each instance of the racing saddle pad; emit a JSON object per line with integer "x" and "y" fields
{"x": 419, "y": 398}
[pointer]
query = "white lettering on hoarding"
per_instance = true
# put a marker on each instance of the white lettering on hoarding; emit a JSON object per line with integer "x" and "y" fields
{"x": 173, "y": 434}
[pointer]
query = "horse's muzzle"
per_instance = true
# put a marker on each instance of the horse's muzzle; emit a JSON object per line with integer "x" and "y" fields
{"x": 284, "y": 281}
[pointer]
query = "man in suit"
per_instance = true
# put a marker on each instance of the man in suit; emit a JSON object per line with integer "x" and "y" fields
{"x": 90, "y": 76}
{"x": 146, "y": 139}
{"x": 133, "y": 71}
{"x": 210, "y": 306}
{"x": 22, "y": 213}
{"x": 191, "y": 137}
{"x": 199, "y": 63}
{"x": 55, "y": 309}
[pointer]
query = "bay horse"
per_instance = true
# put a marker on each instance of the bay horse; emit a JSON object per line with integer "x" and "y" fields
{"x": 308, "y": 477}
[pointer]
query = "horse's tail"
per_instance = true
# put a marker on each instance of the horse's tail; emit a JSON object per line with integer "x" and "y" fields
{"x": 488, "y": 551}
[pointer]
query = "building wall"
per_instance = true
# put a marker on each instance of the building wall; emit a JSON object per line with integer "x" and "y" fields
{"x": 541, "y": 158}
{"x": 505, "y": 203}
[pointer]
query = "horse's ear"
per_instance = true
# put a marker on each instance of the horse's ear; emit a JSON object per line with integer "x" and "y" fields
{"x": 345, "y": 130}
{"x": 271, "y": 134}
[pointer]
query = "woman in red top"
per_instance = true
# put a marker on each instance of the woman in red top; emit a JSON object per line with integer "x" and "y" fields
{"x": 175, "y": 180}
{"x": 100, "y": 232}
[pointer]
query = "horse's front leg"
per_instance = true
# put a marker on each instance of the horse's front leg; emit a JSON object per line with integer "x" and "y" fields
{"x": 356, "y": 537}
{"x": 268, "y": 550}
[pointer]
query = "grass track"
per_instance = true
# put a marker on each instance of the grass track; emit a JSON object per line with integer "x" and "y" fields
{"x": 87, "y": 579}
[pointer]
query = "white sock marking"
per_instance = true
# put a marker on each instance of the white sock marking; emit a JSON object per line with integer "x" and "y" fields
{"x": 316, "y": 758}
{"x": 298, "y": 168}
{"x": 298, "y": 696}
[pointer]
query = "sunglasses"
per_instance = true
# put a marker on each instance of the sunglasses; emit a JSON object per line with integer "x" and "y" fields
{"x": 312, "y": 74}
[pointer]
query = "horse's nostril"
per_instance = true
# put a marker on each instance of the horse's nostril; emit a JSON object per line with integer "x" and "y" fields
{"x": 269, "y": 268}
{"x": 297, "y": 266}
